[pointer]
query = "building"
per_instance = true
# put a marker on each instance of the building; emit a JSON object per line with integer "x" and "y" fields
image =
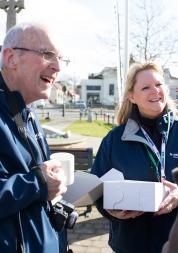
{"x": 62, "y": 92}
{"x": 171, "y": 79}
{"x": 101, "y": 88}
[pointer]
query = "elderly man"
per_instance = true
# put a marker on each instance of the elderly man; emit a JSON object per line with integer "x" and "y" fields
{"x": 29, "y": 180}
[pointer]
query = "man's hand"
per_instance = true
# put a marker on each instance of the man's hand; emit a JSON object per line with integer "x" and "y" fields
{"x": 55, "y": 178}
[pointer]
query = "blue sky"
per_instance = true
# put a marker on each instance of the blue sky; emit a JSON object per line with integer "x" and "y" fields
{"x": 85, "y": 29}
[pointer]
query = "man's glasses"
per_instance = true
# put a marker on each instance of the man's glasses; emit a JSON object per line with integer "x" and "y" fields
{"x": 47, "y": 56}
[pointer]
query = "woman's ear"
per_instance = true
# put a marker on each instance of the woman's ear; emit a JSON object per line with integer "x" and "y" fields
{"x": 10, "y": 58}
{"x": 131, "y": 97}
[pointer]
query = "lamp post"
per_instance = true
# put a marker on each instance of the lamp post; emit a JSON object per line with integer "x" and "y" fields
{"x": 119, "y": 67}
{"x": 126, "y": 40}
{"x": 121, "y": 80}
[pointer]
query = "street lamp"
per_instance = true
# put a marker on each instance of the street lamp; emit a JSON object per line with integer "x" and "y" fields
{"x": 126, "y": 49}
{"x": 126, "y": 40}
{"x": 119, "y": 67}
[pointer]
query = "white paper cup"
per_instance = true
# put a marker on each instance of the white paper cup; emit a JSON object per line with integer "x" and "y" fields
{"x": 67, "y": 162}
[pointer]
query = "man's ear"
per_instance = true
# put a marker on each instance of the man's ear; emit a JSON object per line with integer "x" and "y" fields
{"x": 131, "y": 97}
{"x": 10, "y": 57}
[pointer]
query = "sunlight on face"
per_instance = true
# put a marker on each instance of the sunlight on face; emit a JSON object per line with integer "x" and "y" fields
{"x": 36, "y": 75}
{"x": 149, "y": 93}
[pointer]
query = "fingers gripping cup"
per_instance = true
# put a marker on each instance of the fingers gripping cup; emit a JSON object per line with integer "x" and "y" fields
{"x": 67, "y": 162}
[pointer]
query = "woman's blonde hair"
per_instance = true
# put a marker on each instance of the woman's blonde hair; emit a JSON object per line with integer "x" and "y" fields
{"x": 127, "y": 106}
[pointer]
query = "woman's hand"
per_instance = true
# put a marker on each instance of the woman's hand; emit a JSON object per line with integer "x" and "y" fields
{"x": 171, "y": 201}
{"x": 123, "y": 214}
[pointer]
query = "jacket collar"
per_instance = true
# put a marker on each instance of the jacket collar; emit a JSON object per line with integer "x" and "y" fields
{"x": 19, "y": 98}
{"x": 132, "y": 131}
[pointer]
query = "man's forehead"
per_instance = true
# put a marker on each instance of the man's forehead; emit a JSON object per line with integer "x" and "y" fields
{"x": 40, "y": 39}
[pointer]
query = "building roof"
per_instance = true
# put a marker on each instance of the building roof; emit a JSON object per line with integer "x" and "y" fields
{"x": 100, "y": 74}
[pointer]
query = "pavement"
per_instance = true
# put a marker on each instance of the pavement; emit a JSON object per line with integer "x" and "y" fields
{"x": 90, "y": 233}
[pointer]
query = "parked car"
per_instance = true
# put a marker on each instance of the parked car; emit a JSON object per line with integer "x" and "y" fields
{"x": 80, "y": 104}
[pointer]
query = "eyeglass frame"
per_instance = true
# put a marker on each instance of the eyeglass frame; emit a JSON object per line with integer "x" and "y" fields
{"x": 43, "y": 53}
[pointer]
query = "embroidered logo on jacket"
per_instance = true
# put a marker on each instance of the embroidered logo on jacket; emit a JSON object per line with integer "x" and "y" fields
{"x": 174, "y": 155}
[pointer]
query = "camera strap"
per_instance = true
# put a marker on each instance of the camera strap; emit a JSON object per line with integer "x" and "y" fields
{"x": 38, "y": 135}
{"x": 12, "y": 101}
{"x": 13, "y": 104}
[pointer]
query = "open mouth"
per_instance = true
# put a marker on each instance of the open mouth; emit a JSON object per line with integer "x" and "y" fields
{"x": 47, "y": 79}
{"x": 155, "y": 100}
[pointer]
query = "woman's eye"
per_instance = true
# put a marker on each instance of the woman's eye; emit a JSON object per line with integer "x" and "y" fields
{"x": 158, "y": 84}
{"x": 145, "y": 88}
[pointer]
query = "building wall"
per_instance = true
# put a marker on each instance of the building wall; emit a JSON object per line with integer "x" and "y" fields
{"x": 91, "y": 88}
{"x": 172, "y": 83}
{"x": 109, "y": 78}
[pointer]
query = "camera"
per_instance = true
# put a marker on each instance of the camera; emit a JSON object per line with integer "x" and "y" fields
{"x": 62, "y": 215}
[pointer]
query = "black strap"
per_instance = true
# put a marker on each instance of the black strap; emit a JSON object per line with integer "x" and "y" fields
{"x": 37, "y": 135}
{"x": 13, "y": 103}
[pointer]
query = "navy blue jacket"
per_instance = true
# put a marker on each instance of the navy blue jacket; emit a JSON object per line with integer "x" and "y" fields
{"x": 23, "y": 196}
{"x": 123, "y": 149}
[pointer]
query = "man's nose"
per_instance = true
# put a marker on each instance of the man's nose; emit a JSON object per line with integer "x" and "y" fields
{"x": 55, "y": 65}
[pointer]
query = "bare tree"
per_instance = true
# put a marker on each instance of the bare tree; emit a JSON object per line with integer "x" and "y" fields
{"x": 152, "y": 36}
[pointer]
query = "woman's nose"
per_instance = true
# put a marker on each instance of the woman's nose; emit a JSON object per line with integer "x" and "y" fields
{"x": 155, "y": 89}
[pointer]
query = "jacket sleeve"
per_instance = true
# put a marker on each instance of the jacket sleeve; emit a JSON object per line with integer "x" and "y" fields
{"x": 20, "y": 191}
{"x": 20, "y": 186}
{"x": 102, "y": 165}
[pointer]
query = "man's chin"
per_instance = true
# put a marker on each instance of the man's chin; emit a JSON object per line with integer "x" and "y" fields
{"x": 45, "y": 94}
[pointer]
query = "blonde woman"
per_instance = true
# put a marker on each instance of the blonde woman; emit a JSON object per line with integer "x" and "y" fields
{"x": 147, "y": 128}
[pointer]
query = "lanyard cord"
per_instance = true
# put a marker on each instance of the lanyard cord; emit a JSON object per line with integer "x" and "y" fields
{"x": 161, "y": 157}
{"x": 154, "y": 163}
{"x": 168, "y": 126}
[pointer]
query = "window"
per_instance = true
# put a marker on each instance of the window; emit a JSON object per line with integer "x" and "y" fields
{"x": 111, "y": 89}
{"x": 93, "y": 87}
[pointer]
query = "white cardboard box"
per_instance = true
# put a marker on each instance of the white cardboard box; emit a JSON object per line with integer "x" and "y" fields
{"x": 133, "y": 195}
{"x": 118, "y": 193}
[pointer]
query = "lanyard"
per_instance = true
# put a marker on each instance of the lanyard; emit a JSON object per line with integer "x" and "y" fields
{"x": 161, "y": 157}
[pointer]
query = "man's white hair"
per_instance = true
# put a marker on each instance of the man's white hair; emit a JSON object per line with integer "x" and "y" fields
{"x": 14, "y": 37}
